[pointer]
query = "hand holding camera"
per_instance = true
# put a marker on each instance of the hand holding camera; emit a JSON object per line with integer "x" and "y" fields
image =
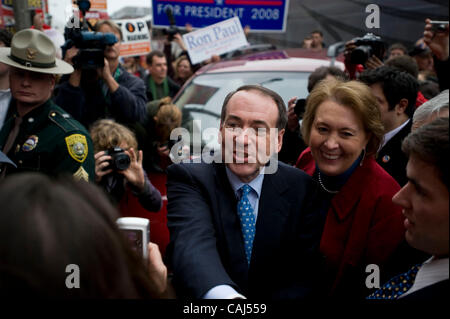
{"x": 172, "y": 29}
{"x": 293, "y": 118}
{"x": 75, "y": 77}
{"x": 373, "y": 62}
{"x": 360, "y": 50}
{"x": 179, "y": 40}
{"x": 134, "y": 174}
{"x": 436, "y": 37}
{"x": 126, "y": 163}
{"x": 105, "y": 74}
{"x": 137, "y": 233}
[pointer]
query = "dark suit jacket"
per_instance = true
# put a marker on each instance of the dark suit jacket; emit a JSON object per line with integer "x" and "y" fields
{"x": 435, "y": 292}
{"x": 392, "y": 158}
{"x": 206, "y": 246}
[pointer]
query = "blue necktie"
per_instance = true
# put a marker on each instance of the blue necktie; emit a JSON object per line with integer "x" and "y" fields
{"x": 397, "y": 286}
{"x": 245, "y": 212}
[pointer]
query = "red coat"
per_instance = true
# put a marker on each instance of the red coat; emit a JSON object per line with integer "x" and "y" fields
{"x": 129, "y": 206}
{"x": 363, "y": 226}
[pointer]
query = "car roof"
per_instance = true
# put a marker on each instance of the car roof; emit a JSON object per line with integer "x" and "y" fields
{"x": 273, "y": 64}
{"x": 293, "y": 59}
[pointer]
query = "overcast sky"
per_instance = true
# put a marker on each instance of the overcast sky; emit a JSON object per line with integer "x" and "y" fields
{"x": 114, "y": 5}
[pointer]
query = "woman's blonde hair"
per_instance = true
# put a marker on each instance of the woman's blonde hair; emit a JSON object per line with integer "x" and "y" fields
{"x": 177, "y": 62}
{"x": 354, "y": 95}
{"x": 108, "y": 133}
{"x": 167, "y": 118}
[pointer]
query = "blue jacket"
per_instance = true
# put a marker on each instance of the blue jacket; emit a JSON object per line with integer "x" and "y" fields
{"x": 92, "y": 101}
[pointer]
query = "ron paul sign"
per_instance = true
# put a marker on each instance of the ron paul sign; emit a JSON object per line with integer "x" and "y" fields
{"x": 216, "y": 39}
{"x": 259, "y": 15}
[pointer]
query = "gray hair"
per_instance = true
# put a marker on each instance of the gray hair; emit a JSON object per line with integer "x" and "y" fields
{"x": 431, "y": 109}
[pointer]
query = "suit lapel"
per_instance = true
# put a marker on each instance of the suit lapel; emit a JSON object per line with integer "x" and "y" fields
{"x": 230, "y": 224}
{"x": 272, "y": 215}
{"x": 393, "y": 146}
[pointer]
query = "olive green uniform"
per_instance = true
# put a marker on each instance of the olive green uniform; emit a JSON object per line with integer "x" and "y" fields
{"x": 50, "y": 141}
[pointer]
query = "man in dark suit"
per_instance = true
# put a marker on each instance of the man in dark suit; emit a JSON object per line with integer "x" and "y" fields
{"x": 425, "y": 202}
{"x": 396, "y": 93}
{"x": 244, "y": 226}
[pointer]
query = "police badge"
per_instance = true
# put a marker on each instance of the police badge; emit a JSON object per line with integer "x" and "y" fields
{"x": 30, "y": 144}
{"x": 77, "y": 147}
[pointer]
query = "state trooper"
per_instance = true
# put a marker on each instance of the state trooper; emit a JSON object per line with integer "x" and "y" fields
{"x": 40, "y": 136}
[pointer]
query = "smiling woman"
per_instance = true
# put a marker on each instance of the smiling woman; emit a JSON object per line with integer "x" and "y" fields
{"x": 342, "y": 126}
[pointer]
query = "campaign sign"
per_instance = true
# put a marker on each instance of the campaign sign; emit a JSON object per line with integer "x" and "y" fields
{"x": 99, "y": 5}
{"x": 136, "y": 38}
{"x": 7, "y": 12}
{"x": 216, "y": 39}
{"x": 259, "y": 15}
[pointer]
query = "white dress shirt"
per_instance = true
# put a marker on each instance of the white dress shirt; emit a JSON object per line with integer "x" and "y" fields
{"x": 5, "y": 98}
{"x": 431, "y": 272}
{"x": 392, "y": 133}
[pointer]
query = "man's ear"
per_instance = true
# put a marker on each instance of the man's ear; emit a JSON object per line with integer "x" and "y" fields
{"x": 280, "y": 139}
{"x": 219, "y": 136}
{"x": 400, "y": 108}
{"x": 53, "y": 80}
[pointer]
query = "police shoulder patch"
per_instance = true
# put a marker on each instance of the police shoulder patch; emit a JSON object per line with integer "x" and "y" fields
{"x": 77, "y": 146}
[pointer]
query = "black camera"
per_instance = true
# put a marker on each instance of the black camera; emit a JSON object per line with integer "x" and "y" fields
{"x": 91, "y": 44}
{"x": 299, "y": 108}
{"x": 120, "y": 161}
{"x": 172, "y": 30}
{"x": 439, "y": 26}
{"x": 366, "y": 47}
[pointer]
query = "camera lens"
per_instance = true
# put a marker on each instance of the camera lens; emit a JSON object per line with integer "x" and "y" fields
{"x": 121, "y": 161}
{"x": 299, "y": 107}
{"x": 361, "y": 54}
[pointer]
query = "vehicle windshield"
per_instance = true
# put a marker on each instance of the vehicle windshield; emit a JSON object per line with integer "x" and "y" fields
{"x": 202, "y": 99}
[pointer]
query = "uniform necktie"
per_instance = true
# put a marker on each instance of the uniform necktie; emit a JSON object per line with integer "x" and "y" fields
{"x": 12, "y": 135}
{"x": 397, "y": 286}
{"x": 245, "y": 212}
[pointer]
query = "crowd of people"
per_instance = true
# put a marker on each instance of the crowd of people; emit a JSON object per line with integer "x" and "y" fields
{"x": 362, "y": 180}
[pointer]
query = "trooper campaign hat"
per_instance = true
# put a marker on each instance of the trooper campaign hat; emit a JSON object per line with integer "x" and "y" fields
{"x": 32, "y": 50}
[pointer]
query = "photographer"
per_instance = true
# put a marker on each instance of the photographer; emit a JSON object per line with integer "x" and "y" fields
{"x": 366, "y": 52}
{"x": 437, "y": 40}
{"x": 105, "y": 92}
{"x": 118, "y": 165}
